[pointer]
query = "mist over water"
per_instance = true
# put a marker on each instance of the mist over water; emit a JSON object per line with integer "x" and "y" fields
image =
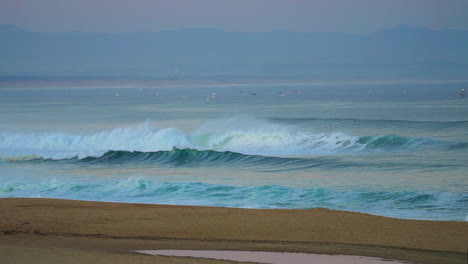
{"x": 397, "y": 150}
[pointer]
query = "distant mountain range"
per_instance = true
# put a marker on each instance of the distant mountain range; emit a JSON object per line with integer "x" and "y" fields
{"x": 397, "y": 53}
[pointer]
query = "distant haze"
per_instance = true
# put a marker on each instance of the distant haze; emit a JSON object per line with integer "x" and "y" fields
{"x": 351, "y": 16}
{"x": 403, "y": 52}
{"x": 188, "y": 39}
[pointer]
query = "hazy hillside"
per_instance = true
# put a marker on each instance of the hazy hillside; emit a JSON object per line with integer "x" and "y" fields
{"x": 400, "y": 52}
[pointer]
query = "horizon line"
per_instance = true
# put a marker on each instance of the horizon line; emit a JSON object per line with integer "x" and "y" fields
{"x": 399, "y": 26}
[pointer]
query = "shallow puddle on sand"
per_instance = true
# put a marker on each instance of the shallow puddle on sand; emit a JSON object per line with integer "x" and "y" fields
{"x": 271, "y": 257}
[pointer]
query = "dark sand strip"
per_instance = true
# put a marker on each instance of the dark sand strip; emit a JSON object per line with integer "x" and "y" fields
{"x": 116, "y": 228}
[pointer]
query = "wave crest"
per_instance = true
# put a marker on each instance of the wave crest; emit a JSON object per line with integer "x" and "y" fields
{"x": 255, "y": 137}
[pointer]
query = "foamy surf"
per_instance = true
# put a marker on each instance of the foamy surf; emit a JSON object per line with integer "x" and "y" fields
{"x": 245, "y": 136}
{"x": 429, "y": 205}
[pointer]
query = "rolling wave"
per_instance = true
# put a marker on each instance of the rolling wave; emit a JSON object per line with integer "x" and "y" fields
{"x": 209, "y": 158}
{"x": 257, "y": 137}
{"x": 433, "y": 205}
{"x": 182, "y": 157}
{"x": 231, "y": 137}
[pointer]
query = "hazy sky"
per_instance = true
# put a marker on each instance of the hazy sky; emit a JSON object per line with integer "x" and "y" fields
{"x": 357, "y": 16}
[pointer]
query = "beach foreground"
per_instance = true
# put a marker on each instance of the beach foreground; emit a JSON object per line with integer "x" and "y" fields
{"x": 66, "y": 231}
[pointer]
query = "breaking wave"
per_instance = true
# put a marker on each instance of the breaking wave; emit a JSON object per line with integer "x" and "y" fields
{"x": 230, "y": 137}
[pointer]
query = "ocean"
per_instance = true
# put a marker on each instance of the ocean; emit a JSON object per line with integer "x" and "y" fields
{"x": 396, "y": 149}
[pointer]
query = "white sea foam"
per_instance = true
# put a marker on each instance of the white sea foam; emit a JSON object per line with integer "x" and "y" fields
{"x": 242, "y": 135}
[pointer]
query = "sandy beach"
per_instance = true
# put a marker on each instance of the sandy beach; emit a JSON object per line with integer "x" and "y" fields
{"x": 66, "y": 231}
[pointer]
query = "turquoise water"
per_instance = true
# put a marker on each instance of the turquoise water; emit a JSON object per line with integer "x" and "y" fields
{"x": 397, "y": 150}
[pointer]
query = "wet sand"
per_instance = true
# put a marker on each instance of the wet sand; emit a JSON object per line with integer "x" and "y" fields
{"x": 64, "y": 231}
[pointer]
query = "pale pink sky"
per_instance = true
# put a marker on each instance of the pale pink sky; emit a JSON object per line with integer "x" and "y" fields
{"x": 356, "y": 16}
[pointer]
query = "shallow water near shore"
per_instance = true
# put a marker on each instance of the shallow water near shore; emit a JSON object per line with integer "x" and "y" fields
{"x": 396, "y": 150}
{"x": 270, "y": 257}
